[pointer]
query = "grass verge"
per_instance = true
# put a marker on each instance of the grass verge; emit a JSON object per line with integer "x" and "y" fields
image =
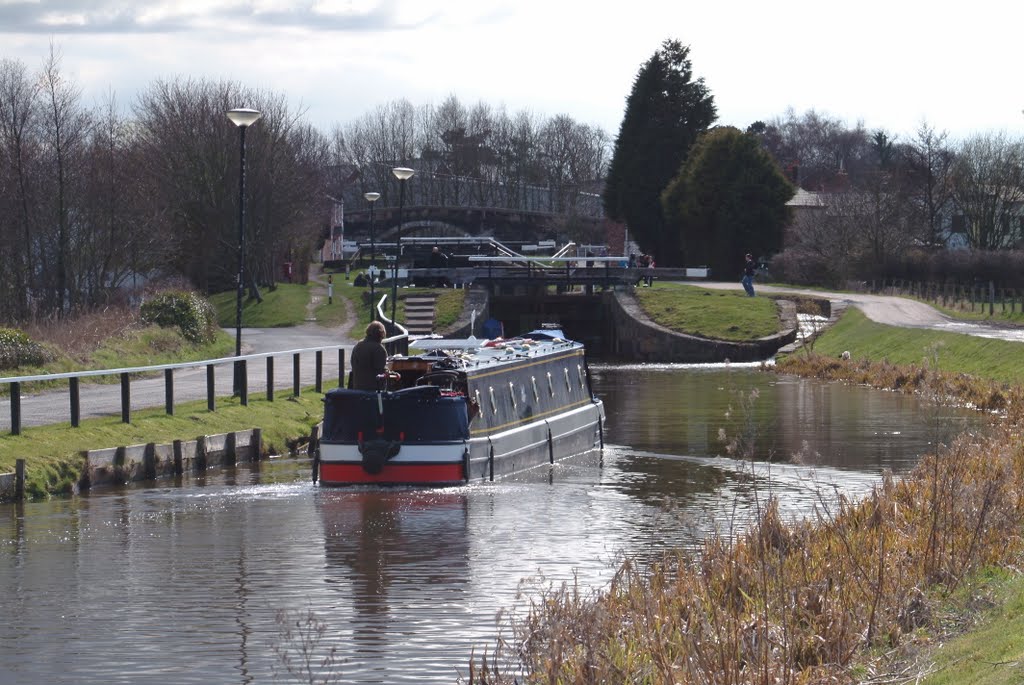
{"x": 129, "y": 347}
{"x": 999, "y": 360}
{"x": 719, "y": 314}
{"x": 284, "y": 305}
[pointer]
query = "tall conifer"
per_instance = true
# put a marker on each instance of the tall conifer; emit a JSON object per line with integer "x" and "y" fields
{"x": 665, "y": 113}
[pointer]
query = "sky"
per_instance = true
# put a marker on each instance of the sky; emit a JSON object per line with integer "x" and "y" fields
{"x": 891, "y": 65}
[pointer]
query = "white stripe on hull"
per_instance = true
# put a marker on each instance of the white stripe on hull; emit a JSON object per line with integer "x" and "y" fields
{"x": 417, "y": 453}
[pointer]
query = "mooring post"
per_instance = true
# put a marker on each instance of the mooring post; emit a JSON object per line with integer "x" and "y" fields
{"x": 296, "y": 373}
{"x": 341, "y": 367}
{"x": 19, "y": 479}
{"x": 256, "y": 444}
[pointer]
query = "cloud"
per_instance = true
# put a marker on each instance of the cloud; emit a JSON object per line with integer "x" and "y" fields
{"x": 173, "y": 16}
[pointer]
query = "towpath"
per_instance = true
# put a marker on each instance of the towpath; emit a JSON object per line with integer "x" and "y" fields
{"x": 895, "y": 311}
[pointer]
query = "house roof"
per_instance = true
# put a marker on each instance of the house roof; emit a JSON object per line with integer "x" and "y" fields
{"x": 806, "y": 198}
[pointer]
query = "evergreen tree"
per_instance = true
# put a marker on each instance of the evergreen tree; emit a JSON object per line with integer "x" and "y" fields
{"x": 665, "y": 113}
{"x": 728, "y": 199}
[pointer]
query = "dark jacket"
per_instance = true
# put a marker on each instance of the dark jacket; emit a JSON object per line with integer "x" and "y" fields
{"x": 368, "y": 361}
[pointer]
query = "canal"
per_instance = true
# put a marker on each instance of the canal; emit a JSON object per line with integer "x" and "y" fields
{"x": 224, "y": 578}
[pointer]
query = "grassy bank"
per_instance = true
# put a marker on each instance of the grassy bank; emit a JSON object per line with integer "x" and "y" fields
{"x": 719, "y": 314}
{"x": 999, "y": 360}
{"x": 283, "y": 306}
{"x": 111, "y": 339}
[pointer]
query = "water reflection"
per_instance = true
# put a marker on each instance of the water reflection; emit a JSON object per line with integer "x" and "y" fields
{"x": 782, "y": 418}
{"x": 375, "y": 539}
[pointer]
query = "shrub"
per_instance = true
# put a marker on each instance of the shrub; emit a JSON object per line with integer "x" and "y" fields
{"x": 17, "y": 349}
{"x": 190, "y": 313}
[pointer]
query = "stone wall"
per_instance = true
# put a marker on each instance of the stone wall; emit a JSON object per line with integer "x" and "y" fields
{"x": 130, "y": 463}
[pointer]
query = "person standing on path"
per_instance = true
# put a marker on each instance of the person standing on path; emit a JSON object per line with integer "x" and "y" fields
{"x": 369, "y": 358}
{"x": 748, "y": 275}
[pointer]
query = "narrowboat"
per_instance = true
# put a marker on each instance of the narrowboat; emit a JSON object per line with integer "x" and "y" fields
{"x": 461, "y": 411}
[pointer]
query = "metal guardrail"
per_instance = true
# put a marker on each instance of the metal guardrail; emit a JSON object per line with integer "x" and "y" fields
{"x": 240, "y": 365}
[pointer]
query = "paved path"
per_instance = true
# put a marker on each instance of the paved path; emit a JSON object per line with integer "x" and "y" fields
{"x": 896, "y": 311}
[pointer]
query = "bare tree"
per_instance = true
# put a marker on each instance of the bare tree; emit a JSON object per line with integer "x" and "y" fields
{"x": 113, "y": 242}
{"x": 66, "y": 125}
{"x": 930, "y": 163}
{"x": 20, "y": 159}
{"x": 818, "y": 152}
{"x": 190, "y": 151}
{"x": 988, "y": 186}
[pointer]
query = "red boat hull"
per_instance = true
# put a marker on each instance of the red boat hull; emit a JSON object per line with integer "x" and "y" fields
{"x": 393, "y": 474}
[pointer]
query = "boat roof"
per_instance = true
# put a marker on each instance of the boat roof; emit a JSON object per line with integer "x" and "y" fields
{"x": 472, "y": 351}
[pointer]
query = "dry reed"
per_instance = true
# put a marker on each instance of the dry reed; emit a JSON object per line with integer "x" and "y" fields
{"x": 831, "y": 599}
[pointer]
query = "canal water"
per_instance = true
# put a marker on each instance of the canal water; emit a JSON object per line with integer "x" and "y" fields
{"x": 228, "y": 577}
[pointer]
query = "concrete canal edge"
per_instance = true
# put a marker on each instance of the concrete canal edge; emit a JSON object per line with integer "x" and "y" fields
{"x": 152, "y": 461}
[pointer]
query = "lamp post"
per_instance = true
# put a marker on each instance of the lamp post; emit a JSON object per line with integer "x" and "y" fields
{"x": 372, "y": 198}
{"x": 403, "y": 174}
{"x": 242, "y": 118}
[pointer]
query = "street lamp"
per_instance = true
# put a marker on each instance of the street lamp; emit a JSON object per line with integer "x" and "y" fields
{"x": 403, "y": 174}
{"x": 372, "y": 198}
{"x": 242, "y": 118}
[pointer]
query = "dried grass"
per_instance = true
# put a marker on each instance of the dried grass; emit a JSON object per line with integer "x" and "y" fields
{"x": 832, "y": 599}
{"x": 80, "y": 334}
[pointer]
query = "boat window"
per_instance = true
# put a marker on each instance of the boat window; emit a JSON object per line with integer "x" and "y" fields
{"x": 512, "y": 394}
{"x": 568, "y": 386}
{"x": 479, "y": 404}
{"x": 494, "y": 405}
{"x": 579, "y": 372}
{"x": 536, "y": 395}
{"x": 551, "y": 385}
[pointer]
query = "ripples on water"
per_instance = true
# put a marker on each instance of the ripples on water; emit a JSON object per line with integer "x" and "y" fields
{"x": 182, "y": 583}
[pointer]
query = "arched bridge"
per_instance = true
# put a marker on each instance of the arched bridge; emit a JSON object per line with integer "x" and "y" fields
{"x": 445, "y": 205}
